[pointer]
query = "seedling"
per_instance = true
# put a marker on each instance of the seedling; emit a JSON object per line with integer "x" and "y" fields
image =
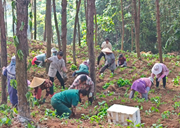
{"x": 176, "y": 80}
{"x": 73, "y": 67}
{"x": 122, "y": 82}
{"x": 165, "y": 114}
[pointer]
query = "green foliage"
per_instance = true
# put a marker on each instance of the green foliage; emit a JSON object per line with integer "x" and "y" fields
{"x": 73, "y": 67}
{"x": 165, "y": 114}
{"x": 22, "y": 26}
{"x": 16, "y": 41}
{"x": 176, "y": 105}
{"x": 176, "y": 80}
{"x": 13, "y": 83}
{"x": 49, "y": 112}
{"x": 20, "y": 54}
{"x": 108, "y": 84}
{"x": 122, "y": 82}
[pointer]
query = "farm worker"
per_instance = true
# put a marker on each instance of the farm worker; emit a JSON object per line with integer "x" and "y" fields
{"x": 110, "y": 61}
{"x": 54, "y": 51}
{"x": 40, "y": 84}
{"x": 56, "y": 68}
{"x": 10, "y": 73}
{"x": 105, "y": 44}
{"x": 160, "y": 71}
{"x": 62, "y": 101}
{"x": 83, "y": 69}
{"x": 39, "y": 59}
{"x": 84, "y": 82}
{"x": 121, "y": 61}
{"x": 142, "y": 86}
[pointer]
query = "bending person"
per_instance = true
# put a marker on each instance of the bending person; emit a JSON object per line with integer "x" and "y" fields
{"x": 142, "y": 86}
{"x": 83, "y": 69}
{"x": 122, "y": 61}
{"x": 39, "y": 60}
{"x": 62, "y": 101}
{"x": 84, "y": 82}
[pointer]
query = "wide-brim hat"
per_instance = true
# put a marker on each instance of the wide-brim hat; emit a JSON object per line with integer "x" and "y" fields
{"x": 152, "y": 80}
{"x": 53, "y": 49}
{"x": 106, "y": 50}
{"x": 157, "y": 68}
{"x": 36, "y": 82}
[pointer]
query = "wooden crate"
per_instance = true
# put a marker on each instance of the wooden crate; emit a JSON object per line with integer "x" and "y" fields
{"x": 118, "y": 114}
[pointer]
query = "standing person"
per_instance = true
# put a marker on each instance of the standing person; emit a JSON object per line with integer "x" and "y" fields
{"x": 62, "y": 101}
{"x": 84, "y": 82}
{"x": 54, "y": 51}
{"x": 40, "y": 84}
{"x": 110, "y": 61}
{"x": 83, "y": 69}
{"x": 56, "y": 68}
{"x": 142, "y": 86}
{"x": 39, "y": 60}
{"x": 160, "y": 71}
{"x": 105, "y": 44}
{"x": 122, "y": 61}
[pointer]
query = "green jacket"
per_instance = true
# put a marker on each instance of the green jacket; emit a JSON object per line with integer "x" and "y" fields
{"x": 83, "y": 68}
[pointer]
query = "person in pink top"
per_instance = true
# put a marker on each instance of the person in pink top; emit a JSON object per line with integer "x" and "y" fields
{"x": 160, "y": 71}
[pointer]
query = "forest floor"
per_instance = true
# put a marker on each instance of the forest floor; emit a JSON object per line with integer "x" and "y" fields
{"x": 161, "y": 110}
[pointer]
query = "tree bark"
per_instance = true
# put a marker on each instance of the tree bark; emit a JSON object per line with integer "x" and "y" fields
{"x": 85, "y": 7}
{"x": 158, "y": 31}
{"x": 64, "y": 27}
{"x": 13, "y": 20}
{"x": 122, "y": 41}
{"x": 49, "y": 30}
{"x": 45, "y": 27}
{"x": 35, "y": 19}
{"x": 90, "y": 39}
{"x": 56, "y": 24}
{"x": 136, "y": 22}
{"x": 96, "y": 27}
{"x": 3, "y": 53}
{"x": 5, "y": 13}
{"x": 79, "y": 34}
{"x": 74, "y": 35}
{"x": 21, "y": 64}
{"x": 132, "y": 33}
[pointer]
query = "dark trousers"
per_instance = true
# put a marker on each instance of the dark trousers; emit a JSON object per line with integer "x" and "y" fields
{"x": 104, "y": 68}
{"x": 60, "y": 80}
{"x": 37, "y": 62}
{"x": 100, "y": 56}
{"x": 164, "y": 82}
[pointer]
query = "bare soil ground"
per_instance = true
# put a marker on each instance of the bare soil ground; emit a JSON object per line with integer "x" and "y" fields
{"x": 168, "y": 96}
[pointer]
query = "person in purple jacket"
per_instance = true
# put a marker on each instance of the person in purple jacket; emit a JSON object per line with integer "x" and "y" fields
{"x": 142, "y": 86}
{"x": 160, "y": 71}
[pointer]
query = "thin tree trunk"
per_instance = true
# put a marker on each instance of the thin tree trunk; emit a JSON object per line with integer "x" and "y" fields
{"x": 85, "y": 7}
{"x": 122, "y": 41}
{"x": 35, "y": 19}
{"x": 45, "y": 27}
{"x": 90, "y": 39}
{"x": 79, "y": 34}
{"x": 21, "y": 63}
{"x": 13, "y": 19}
{"x": 96, "y": 27}
{"x": 132, "y": 33}
{"x": 136, "y": 28}
{"x": 159, "y": 31}
{"x": 64, "y": 27}
{"x": 56, "y": 24}
{"x": 74, "y": 35}
{"x": 49, "y": 30}
{"x": 3, "y": 53}
{"x": 5, "y": 13}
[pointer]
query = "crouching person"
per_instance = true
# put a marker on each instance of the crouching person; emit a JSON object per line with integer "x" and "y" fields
{"x": 142, "y": 86}
{"x": 84, "y": 82}
{"x": 83, "y": 69}
{"x": 121, "y": 61}
{"x": 40, "y": 84}
{"x": 62, "y": 101}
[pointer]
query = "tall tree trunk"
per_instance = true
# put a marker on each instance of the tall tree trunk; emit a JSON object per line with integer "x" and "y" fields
{"x": 122, "y": 41}
{"x": 64, "y": 27}
{"x": 21, "y": 63}
{"x": 79, "y": 34}
{"x": 45, "y": 27}
{"x": 35, "y": 19}
{"x": 85, "y": 7}
{"x": 136, "y": 28}
{"x": 158, "y": 31}
{"x": 132, "y": 33}
{"x": 96, "y": 27}
{"x": 56, "y": 24}
{"x": 3, "y": 53}
{"x": 74, "y": 35}
{"x": 49, "y": 30}
{"x": 90, "y": 39}
{"x": 13, "y": 18}
{"x": 5, "y": 10}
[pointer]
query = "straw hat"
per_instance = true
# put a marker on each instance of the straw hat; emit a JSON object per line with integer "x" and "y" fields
{"x": 36, "y": 82}
{"x": 157, "y": 68}
{"x": 106, "y": 50}
{"x": 151, "y": 79}
{"x": 53, "y": 49}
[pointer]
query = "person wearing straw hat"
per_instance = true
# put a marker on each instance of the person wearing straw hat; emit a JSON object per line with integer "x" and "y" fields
{"x": 121, "y": 61}
{"x": 83, "y": 69}
{"x": 160, "y": 71}
{"x": 56, "y": 68}
{"x": 39, "y": 60}
{"x": 54, "y": 51}
{"x": 110, "y": 61}
{"x": 62, "y": 101}
{"x": 40, "y": 84}
{"x": 84, "y": 82}
{"x": 142, "y": 86}
{"x": 105, "y": 44}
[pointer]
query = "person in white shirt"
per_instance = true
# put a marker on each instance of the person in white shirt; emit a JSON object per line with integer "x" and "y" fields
{"x": 105, "y": 44}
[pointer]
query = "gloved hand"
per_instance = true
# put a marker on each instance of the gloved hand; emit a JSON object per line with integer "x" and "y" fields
{"x": 90, "y": 94}
{"x": 159, "y": 79}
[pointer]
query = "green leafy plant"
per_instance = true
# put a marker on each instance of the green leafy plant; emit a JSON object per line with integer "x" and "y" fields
{"x": 13, "y": 83}
{"x": 176, "y": 80}
{"x": 73, "y": 67}
{"x": 122, "y": 82}
{"x": 165, "y": 114}
{"x": 176, "y": 105}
